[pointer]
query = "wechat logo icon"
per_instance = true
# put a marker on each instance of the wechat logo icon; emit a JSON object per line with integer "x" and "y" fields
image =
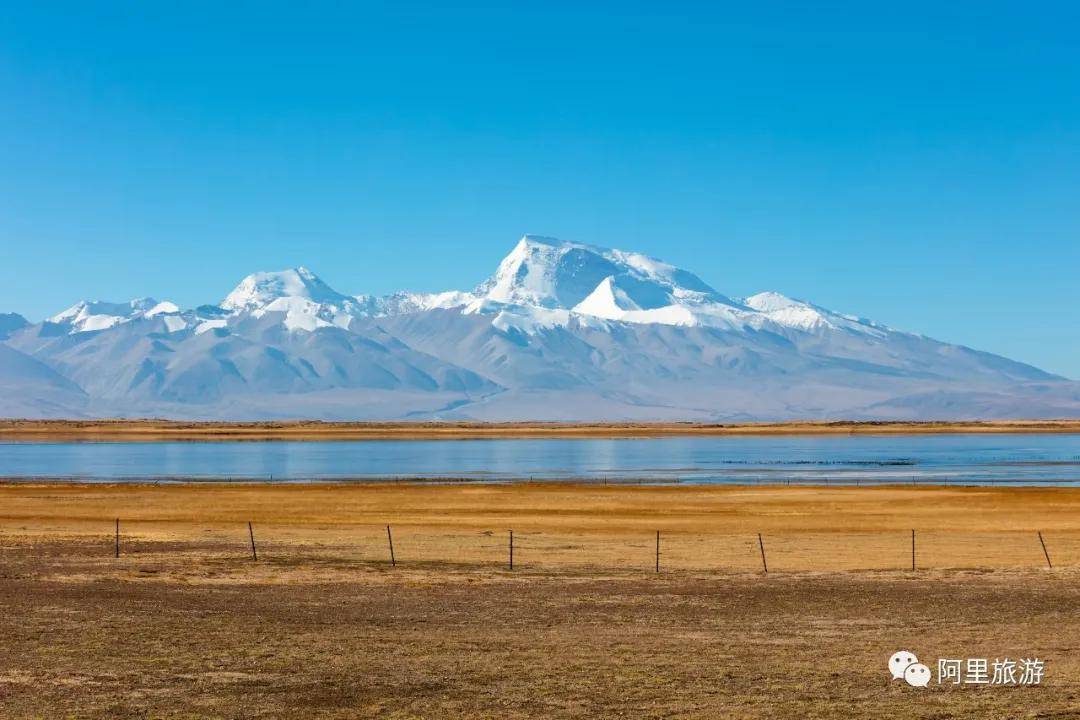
{"x": 903, "y": 665}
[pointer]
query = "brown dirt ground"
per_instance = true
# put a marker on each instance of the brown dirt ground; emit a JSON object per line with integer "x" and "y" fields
{"x": 185, "y": 624}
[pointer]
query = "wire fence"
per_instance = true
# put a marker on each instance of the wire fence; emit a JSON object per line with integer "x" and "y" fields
{"x": 570, "y": 548}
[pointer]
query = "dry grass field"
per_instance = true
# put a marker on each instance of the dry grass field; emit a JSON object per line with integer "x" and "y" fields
{"x": 186, "y": 624}
{"x": 146, "y": 430}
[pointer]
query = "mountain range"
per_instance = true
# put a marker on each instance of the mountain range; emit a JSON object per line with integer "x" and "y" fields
{"x": 561, "y": 331}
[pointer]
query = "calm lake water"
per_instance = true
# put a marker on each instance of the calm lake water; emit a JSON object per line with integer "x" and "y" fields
{"x": 1020, "y": 459}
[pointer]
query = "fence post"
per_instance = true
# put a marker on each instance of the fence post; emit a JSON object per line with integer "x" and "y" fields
{"x": 761, "y": 545}
{"x": 511, "y": 549}
{"x": 117, "y": 537}
{"x": 390, "y": 539}
{"x": 912, "y": 549}
{"x": 251, "y": 534}
{"x": 1043, "y": 543}
{"x": 657, "y": 551}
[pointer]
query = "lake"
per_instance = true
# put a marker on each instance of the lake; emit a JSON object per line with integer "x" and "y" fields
{"x": 973, "y": 459}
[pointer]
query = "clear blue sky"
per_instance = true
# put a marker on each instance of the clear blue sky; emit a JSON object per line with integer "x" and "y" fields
{"x": 916, "y": 164}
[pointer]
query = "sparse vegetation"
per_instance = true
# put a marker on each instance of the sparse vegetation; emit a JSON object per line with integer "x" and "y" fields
{"x": 186, "y": 624}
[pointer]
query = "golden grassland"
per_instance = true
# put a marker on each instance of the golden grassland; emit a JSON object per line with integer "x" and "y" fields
{"x": 563, "y": 524}
{"x": 186, "y": 624}
{"x": 149, "y": 429}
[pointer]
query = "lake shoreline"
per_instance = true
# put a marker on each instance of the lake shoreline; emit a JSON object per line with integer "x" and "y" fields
{"x": 929, "y": 483}
{"x": 160, "y": 430}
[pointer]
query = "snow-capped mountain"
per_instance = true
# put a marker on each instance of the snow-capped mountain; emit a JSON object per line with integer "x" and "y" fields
{"x": 262, "y": 289}
{"x": 560, "y": 331}
{"x": 304, "y": 300}
{"x": 550, "y": 273}
{"x": 545, "y": 282}
{"x": 87, "y": 315}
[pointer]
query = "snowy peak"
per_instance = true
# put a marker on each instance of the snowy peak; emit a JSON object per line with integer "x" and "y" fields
{"x": 545, "y": 282}
{"x": 304, "y": 301}
{"x": 807, "y": 317}
{"x": 260, "y": 289}
{"x": 308, "y": 303}
{"x": 772, "y": 301}
{"x": 90, "y": 315}
{"x": 545, "y": 272}
{"x": 556, "y": 274}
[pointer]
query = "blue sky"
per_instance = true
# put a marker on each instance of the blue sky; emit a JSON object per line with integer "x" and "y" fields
{"x": 916, "y": 164}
